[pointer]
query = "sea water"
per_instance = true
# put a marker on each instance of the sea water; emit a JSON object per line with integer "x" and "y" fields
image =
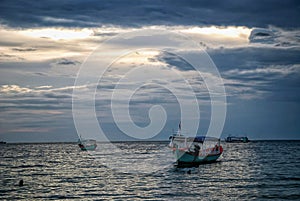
{"x": 261, "y": 170}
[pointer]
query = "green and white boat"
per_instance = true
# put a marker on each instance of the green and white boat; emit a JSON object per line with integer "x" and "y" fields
{"x": 195, "y": 150}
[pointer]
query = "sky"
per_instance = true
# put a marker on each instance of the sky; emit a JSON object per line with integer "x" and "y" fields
{"x": 254, "y": 45}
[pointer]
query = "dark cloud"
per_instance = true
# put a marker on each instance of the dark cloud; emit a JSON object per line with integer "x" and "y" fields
{"x": 58, "y": 96}
{"x": 266, "y": 73}
{"x": 105, "y": 34}
{"x": 9, "y": 57}
{"x": 40, "y": 74}
{"x": 174, "y": 61}
{"x": 16, "y": 97}
{"x": 24, "y": 49}
{"x": 262, "y": 36}
{"x": 10, "y": 43}
{"x": 65, "y": 61}
{"x": 253, "y": 57}
{"x": 64, "y": 67}
{"x": 275, "y": 36}
{"x": 92, "y": 13}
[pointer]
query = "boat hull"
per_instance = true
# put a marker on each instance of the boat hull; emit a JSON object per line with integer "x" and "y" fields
{"x": 188, "y": 158}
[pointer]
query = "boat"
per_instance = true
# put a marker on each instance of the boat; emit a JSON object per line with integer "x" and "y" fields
{"x": 191, "y": 151}
{"x": 87, "y": 145}
{"x": 236, "y": 139}
{"x": 2, "y": 142}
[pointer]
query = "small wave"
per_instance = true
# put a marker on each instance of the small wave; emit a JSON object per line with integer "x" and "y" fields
{"x": 28, "y": 166}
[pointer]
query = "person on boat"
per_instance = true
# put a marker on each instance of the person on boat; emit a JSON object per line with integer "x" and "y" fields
{"x": 216, "y": 148}
{"x": 196, "y": 151}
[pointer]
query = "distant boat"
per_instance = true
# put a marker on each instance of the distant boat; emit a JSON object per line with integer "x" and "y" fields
{"x": 2, "y": 142}
{"x": 237, "y": 139}
{"x": 194, "y": 150}
{"x": 87, "y": 145}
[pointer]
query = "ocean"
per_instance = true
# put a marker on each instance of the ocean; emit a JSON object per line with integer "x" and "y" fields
{"x": 259, "y": 170}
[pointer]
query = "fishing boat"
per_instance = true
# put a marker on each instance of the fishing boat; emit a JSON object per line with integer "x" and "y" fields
{"x": 195, "y": 150}
{"x": 237, "y": 139}
{"x": 87, "y": 145}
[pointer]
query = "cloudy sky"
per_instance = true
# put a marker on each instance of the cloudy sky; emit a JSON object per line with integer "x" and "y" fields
{"x": 255, "y": 45}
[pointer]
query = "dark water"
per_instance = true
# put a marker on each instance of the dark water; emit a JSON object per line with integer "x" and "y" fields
{"x": 262, "y": 170}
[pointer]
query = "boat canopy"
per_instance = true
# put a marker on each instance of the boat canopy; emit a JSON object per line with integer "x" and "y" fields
{"x": 86, "y": 140}
{"x": 200, "y": 139}
{"x": 203, "y": 138}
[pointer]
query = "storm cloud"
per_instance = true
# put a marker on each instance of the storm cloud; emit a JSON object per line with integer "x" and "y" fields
{"x": 95, "y": 13}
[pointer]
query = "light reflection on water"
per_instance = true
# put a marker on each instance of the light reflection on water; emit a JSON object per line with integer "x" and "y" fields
{"x": 252, "y": 171}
